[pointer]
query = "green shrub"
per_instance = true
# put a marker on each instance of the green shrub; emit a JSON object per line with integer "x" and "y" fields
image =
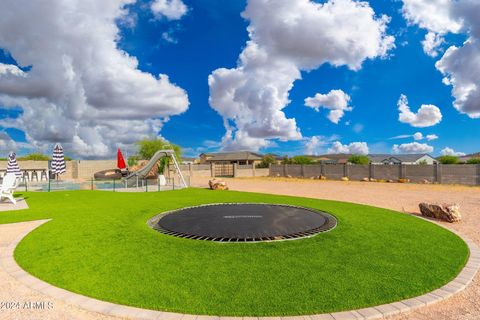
{"x": 302, "y": 160}
{"x": 148, "y": 147}
{"x": 287, "y": 160}
{"x": 359, "y": 159}
{"x": 448, "y": 159}
{"x": 133, "y": 160}
{"x": 474, "y": 161}
{"x": 267, "y": 160}
{"x": 35, "y": 157}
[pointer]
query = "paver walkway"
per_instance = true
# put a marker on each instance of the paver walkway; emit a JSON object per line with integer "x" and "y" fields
{"x": 12, "y": 291}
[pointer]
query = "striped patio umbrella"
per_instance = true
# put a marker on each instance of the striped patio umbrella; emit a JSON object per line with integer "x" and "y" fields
{"x": 12, "y": 165}
{"x": 58, "y": 160}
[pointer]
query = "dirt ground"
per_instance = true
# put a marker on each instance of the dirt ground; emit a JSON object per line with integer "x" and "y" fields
{"x": 401, "y": 197}
{"x": 396, "y": 196}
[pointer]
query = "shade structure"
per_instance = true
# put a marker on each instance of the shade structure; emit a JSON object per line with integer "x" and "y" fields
{"x": 58, "y": 160}
{"x": 12, "y": 165}
{"x": 120, "y": 161}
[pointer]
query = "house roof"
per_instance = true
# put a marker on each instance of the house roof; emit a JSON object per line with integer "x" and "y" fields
{"x": 400, "y": 157}
{"x": 233, "y": 156}
{"x": 334, "y": 156}
{"x": 275, "y": 156}
{"x": 470, "y": 156}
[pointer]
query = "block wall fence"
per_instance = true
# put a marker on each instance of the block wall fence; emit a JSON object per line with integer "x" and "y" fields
{"x": 85, "y": 169}
{"x": 466, "y": 174}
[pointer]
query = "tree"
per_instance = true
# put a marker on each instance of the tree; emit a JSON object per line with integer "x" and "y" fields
{"x": 358, "y": 159}
{"x": 287, "y": 160}
{"x": 473, "y": 161}
{"x": 302, "y": 160}
{"x": 267, "y": 160}
{"x": 133, "y": 160}
{"x": 148, "y": 147}
{"x": 448, "y": 160}
{"x": 35, "y": 157}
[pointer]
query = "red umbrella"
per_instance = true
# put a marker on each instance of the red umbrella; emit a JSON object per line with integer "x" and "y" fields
{"x": 120, "y": 161}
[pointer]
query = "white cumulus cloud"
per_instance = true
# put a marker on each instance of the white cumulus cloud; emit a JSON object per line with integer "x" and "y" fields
{"x": 170, "y": 9}
{"x": 286, "y": 38}
{"x": 428, "y": 115}
{"x": 412, "y": 147}
{"x": 459, "y": 65}
{"x": 418, "y": 136}
{"x": 336, "y": 101}
{"x": 435, "y": 16}
{"x": 450, "y": 152}
{"x": 311, "y": 145}
{"x": 432, "y": 43}
{"x": 354, "y": 147}
{"x": 431, "y": 137}
{"x": 81, "y": 90}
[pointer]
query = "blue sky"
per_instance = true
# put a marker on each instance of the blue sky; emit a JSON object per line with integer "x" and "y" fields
{"x": 212, "y": 34}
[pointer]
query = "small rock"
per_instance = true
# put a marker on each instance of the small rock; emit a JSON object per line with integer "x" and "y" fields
{"x": 425, "y": 181}
{"x": 216, "y": 184}
{"x": 390, "y": 181}
{"x": 323, "y": 178}
{"x": 289, "y": 176}
{"x": 345, "y": 179}
{"x": 446, "y": 212}
{"x": 404, "y": 180}
{"x": 365, "y": 179}
{"x": 373, "y": 180}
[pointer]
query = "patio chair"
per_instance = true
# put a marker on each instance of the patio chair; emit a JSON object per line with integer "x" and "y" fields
{"x": 43, "y": 175}
{"x": 25, "y": 176}
{"x": 34, "y": 175}
{"x": 10, "y": 183}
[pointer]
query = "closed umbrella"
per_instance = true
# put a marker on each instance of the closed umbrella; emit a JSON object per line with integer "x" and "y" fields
{"x": 12, "y": 165}
{"x": 121, "y": 161}
{"x": 58, "y": 160}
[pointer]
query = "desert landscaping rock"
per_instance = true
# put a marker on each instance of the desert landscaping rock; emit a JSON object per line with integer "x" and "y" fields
{"x": 449, "y": 213}
{"x": 400, "y": 197}
{"x": 217, "y": 184}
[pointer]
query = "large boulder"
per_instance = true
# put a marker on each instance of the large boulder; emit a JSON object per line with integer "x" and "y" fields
{"x": 446, "y": 212}
{"x": 217, "y": 184}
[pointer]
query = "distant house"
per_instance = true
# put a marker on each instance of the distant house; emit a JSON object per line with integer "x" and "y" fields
{"x": 239, "y": 157}
{"x": 339, "y": 158}
{"x": 467, "y": 157}
{"x": 188, "y": 160}
{"x": 401, "y": 159}
{"x": 278, "y": 159}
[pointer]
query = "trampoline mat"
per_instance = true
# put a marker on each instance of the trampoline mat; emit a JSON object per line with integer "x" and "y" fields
{"x": 244, "y": 222}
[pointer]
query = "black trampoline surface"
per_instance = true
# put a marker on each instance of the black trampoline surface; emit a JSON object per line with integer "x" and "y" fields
{"x": 243, "y": 222}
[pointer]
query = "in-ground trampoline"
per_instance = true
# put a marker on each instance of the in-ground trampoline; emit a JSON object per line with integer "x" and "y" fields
{"x": 243, "y": 222}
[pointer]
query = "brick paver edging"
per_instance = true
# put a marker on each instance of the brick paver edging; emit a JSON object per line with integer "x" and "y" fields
{"x": 8, "y": 263}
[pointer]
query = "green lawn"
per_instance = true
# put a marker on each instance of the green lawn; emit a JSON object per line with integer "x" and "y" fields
{"x": 98, "y": 244}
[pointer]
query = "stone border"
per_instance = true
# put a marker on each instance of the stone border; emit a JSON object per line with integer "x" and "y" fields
{"x": 464, "y": 278}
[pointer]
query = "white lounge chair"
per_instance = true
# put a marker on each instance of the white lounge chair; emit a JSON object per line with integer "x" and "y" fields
{"x": 8, "y": 187}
